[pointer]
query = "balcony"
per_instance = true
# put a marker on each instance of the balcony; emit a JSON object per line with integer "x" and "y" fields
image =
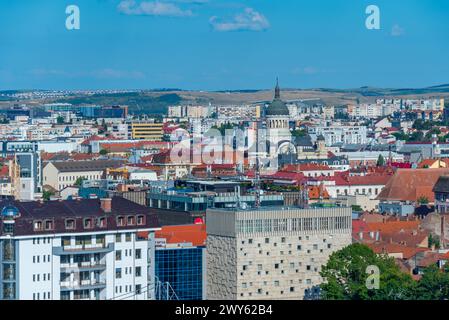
{"x": 83, "y": 249}
{"x": 82, "y": 285}
{"x": 83, "y": 266}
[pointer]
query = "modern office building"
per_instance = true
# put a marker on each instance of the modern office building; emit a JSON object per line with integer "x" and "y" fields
{"x": 271, "y": 253}
{"x": 77, "y": 250}
{"x": 180, "y": 261}
{"x": 146, "y": 131}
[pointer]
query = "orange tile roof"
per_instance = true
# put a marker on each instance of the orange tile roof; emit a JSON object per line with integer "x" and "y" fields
{"x": 411, "y": 184}
{"x": 392, "y": 248}
{"x": 393, "y": 226}
{"x": 195, "y": 234}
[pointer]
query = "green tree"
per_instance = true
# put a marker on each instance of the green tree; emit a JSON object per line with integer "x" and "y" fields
{"x": 46, "y": 195}
{"x": 79, "y": 181}
{"x": 60, "y": 120}
{"x": 423, "y": 200}
{"x": 434, "y": 284}
{"x": 434, "y": 241}
{"x": 345, "y": 276}
{"x": 299, "y": 133}
{"x": 103, "y": 152}
{"x": 380, "y": 161}
{"x": 431, "y": 132}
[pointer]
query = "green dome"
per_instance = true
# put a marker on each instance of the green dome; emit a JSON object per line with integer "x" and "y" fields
{"x": 277, "y": 107}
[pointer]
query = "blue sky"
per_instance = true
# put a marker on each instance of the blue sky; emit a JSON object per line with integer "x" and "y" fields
{"x": 219, "y": 45}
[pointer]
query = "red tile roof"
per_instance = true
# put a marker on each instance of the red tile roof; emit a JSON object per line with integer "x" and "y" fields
{"x": 411, "y": 184}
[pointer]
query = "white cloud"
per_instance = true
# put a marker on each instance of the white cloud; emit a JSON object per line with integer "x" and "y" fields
{"x": 249, "y": 20}
{"x": 152, "y": 8}
{"x": 397, "y": 31}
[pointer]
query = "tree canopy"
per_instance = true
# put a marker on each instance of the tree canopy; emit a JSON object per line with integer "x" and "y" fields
{"x": 345, "y": 276}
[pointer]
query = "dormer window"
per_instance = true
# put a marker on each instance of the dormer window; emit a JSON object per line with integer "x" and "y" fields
{"x": 49, "y": 225}
{"x": 101, "y": 222}
{"x": 88, "y": 223}
{"x": 140, "y": 220}
{"x": 70, "y": 224}
{"x": 131, "y": 221}
{"x": 120, "y": 221}
{"x": 37, "y": 225}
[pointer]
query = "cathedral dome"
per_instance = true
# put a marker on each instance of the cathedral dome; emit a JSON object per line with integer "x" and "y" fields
{"x": 277, "y": 107}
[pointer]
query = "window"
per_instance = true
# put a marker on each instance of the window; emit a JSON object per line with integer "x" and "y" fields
{"x": 138, "y": 271}
{"x": 118, "y": 237}
{"x": 131, "y": 221}
{"x": 140, "y": 220}
{"x": 118, "y": 273}
{"x": 49, "y": 225}
{"x": 101, "y": 222}
{"x": 128, "y": 237}
{"x": 37, "y": 225}
{"x": 118, "y": 255}
{"x": 120, "y": 221}
{"x": 88, "y": 223}
{"x": 138, "y": 253}
{"x": 70, "y": 224}
{"x": 138, "y": 289}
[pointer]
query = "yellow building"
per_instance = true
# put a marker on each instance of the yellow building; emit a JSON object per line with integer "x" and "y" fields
{"x": 147, "y": 131}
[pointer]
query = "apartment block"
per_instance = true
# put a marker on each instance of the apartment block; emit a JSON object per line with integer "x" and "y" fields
{"x": 77, "y": 250}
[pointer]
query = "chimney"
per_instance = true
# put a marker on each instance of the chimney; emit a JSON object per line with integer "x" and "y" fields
{"x": 106, "y": 205}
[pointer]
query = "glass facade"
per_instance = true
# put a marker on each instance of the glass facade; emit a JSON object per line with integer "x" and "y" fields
{"x": 183, "y": 270}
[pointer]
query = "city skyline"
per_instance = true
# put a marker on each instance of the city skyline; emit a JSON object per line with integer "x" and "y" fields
{"x": 216, "y": 45}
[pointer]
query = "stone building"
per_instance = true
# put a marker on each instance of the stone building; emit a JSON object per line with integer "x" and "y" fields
{"x": 271, "y": 253}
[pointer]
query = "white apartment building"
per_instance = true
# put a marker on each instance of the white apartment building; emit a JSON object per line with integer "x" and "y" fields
{"x": 77, "y": 250}
{"x": 271, "y": 253}
{"x": 240, "y": 112}
{"x": 340, "y": 134}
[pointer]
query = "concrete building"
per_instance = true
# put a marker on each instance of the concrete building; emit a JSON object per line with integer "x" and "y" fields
{"x": 340, "y": 134}
{"x": 271, "y": 253}
{"x": 146, "y": 130}
{"x": 61, "y": 174}
{"x": 77, "y": 250}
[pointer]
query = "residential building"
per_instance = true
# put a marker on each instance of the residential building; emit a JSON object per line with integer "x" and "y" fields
{"x": 60, "y": 174}
{"x": 77, "y": 250}
{"x": 340, "y": 134}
